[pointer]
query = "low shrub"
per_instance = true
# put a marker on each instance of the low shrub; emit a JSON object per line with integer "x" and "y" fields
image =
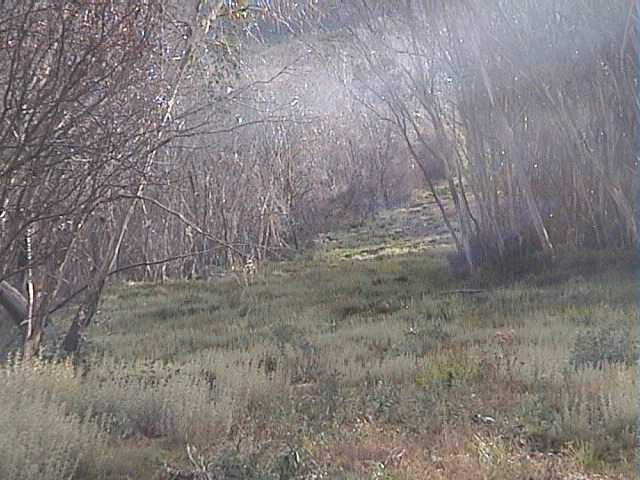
{"x": 597, "y": 347}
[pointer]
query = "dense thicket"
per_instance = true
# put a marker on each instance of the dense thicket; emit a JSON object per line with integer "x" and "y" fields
{"x": 529, "y": 106}
{"x": 164, "y": 137}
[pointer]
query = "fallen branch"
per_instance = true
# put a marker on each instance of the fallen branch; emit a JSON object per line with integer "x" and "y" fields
{"x": 13, "y": 302}
{"x": 201, "y": 469}
{"x": 467, "y": 291}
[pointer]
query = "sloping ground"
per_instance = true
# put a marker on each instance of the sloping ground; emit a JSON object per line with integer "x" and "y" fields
{"x": 418, "y": 227}
{"x": 351, "y": 364}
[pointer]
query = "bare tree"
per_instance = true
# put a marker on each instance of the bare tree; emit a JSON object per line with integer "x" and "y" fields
{"x": 524, "y": 106}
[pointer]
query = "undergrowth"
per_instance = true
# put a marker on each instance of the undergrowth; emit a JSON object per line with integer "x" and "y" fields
{"x": 338, "y": 368}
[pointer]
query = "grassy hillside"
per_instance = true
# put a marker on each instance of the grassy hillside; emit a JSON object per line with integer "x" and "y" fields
{"x": 365, "y": 360}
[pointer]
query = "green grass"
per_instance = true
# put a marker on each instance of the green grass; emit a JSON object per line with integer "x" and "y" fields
{"x": 361, "y": 369}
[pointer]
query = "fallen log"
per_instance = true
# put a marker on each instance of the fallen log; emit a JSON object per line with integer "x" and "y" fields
{"x": 13, "y": 302}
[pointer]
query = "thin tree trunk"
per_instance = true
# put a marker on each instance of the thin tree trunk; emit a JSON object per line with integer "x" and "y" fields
{"x": 88, "y": 309}
{"x": 525, "y": 188}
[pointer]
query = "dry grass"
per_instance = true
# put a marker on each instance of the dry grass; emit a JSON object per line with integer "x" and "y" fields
{"x": 353, "y": 369}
